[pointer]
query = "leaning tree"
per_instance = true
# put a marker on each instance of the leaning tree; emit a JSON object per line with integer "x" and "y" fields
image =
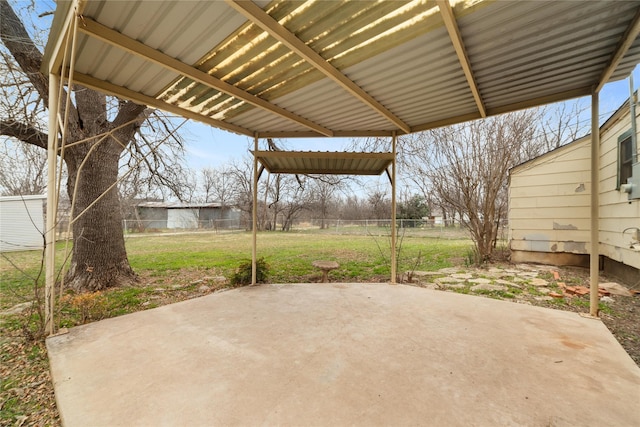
{"x": 99, "y": 130}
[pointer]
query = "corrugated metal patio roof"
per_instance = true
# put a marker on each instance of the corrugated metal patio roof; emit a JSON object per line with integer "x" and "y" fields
{"x": 288, "y": 68}
{"x": 328, "y": 163}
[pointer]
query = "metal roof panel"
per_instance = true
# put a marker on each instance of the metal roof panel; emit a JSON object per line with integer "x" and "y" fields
{"x": 383, "y": 66}
{"x": 324, "y": 163}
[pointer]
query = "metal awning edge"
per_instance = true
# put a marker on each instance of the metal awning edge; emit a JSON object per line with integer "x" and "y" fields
{"x": 330, "y": 162}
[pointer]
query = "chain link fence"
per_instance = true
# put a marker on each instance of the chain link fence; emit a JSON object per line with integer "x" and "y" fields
{"x": 375, "y": 227}
{"x": 131, "y": 226}
{"x": 381, "y": 227}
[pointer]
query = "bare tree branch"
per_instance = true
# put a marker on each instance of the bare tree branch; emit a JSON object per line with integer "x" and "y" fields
{"x": 23, "y": 132}
{"x": 17, "y": 40}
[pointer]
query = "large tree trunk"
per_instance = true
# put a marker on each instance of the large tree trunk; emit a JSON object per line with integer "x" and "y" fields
{"x": 99, "y": 258}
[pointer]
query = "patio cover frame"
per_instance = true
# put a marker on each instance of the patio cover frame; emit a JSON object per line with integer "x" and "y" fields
{"x": 475, "y": 58}
{"x": 330, "y": 163}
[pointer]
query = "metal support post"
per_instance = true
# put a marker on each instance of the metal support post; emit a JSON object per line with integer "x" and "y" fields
{"x": 595, "y": 202}
{"x": 393, "y": 211}
{"x": 50, "y": 231}
{"x": 254, "y": 213}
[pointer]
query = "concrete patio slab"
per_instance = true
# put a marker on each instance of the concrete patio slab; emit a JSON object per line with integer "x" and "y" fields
{"x": 344, "y": 354}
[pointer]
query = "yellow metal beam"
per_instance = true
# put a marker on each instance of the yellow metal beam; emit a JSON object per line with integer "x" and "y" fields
{"x": 50, "y": 231}
{"x": 336, "y": 133}
{"x": 339, "y": 155}
{"x": 625, "y": 43}
{"x": 53, "y": 58}
{"x": 456, "y": 39}
{"x": 394, "y": 213}
{"x": 547, "y": 99}
{"x": 594, "y": 253}
{"x": 124, "y": 93}
{"x": 254, "y": 215}
{"x": 255, "y": 14}
{"x": 119, "y": 40}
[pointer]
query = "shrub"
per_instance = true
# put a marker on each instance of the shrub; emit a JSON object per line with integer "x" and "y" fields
{"x": 89, "y": 306}
{"x": 242, "y": 276}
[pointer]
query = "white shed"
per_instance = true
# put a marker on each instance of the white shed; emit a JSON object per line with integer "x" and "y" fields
{"x": 21, "y": 222}
{"x": 182, "y": 217}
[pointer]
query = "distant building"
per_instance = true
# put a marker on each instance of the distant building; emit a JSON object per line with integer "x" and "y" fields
{"x": 550, "y": 202}
{"x": 162, "y": 215}
{"x": 22, "y": 223}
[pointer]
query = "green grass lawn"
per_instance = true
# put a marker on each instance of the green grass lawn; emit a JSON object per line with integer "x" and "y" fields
{"x": 289, "y": 255}
{"x": 174, "y": 267}
{"x": 362, "y": 258}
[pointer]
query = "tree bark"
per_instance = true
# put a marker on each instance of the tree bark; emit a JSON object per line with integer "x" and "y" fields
{"x": 99, "y": 258}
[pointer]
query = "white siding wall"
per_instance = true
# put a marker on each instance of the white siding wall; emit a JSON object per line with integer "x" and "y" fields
{"x": 21, "y": 223}
{"x": 616, "y": 213}
{"x": 182, "y": 218}
{"x": 549, "y": 201}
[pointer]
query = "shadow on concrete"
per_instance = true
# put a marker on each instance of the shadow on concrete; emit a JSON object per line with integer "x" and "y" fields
{"x": 344, "y": 354}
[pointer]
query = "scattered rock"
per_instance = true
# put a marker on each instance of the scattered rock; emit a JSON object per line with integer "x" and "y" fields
{"x": 443, "y": 280}
{"x": 16, "y": 309}
{"x": 464, "y": 276}
{"x": 539, "y": 282}
{"x": 432, "y": 286}
{"x": 544, "y": 290}
{"x": 577, "y": 290}
{"x": 488, "y": 287}
{"x": 528, "y": 274}
{"x": 480, "y": 281}
{"x": 606, "y": 299}
{"x": 556, "y": 275}
{"x": 426, "y": 273}
{"x": 507, "y": 283}
{"x": 146, "y": 303}
{"x": 556, "y": 295}
{"x": 203, "y": 288}
{"x": 453, "y": 285}
{"x": 449, "y": 270}
{"x": 526, "y": 267}
{"x": 495, "y": 270}
{"x": 615, "y": 289}
{"x": 543, "y": 298}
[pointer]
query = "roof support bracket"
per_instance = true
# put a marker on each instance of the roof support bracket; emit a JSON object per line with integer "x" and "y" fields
{"x": 626, "y": 41}
{"x": 456, "y": 39}
{"x": 255, "y": 14}
{"x": 101, "y": 32}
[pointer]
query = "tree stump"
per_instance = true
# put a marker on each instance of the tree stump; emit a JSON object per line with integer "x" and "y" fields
{"x": 326, "y": 267}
